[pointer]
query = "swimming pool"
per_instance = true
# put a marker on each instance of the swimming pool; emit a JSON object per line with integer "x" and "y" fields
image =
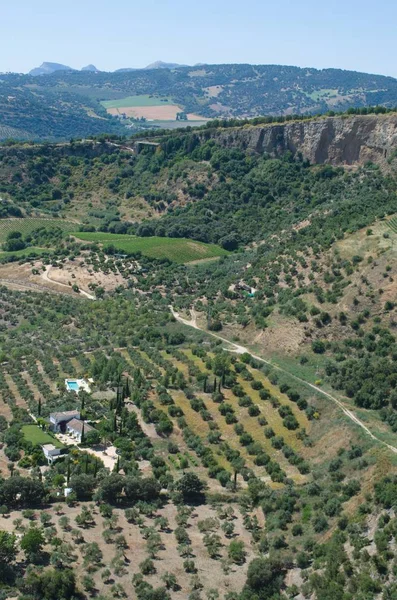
{"x": 72, "y": 385}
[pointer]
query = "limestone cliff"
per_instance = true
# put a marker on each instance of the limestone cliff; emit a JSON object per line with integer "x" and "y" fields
{"x": 346, "y": 140}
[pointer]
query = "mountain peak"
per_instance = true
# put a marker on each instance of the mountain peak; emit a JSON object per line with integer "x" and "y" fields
{"x": 91, "y": 68}
{"x": 46, "y": 68}
{"x": 159, "y": 64}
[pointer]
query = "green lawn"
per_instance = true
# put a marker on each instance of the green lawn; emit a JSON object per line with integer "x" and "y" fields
{"x": 29, "y": 224}
{"x": 34, "y": 434}
{"x": 178, "y": 250}
{"x": 131, "y": 101}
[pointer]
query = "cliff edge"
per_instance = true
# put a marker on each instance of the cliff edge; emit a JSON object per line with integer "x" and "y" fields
{"x": 341, "y": 140}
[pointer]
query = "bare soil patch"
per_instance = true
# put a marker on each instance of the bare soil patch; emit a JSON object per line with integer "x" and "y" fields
{"x": 167, "y": 112}
{"x": 209, "y": 571}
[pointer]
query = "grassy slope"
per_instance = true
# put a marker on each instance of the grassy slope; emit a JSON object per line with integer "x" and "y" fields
{"x": 176, "y": 249}
{"x": 27, "y": 225}
{"x": 25, "y": 252}
{"x": 135, "y": 101}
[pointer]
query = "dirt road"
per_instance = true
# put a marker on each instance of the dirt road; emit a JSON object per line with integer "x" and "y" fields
{"x": 242, "y": 349}
{"x": 46, "y": 276}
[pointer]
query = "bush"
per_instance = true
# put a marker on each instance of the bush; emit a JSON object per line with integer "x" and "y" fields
{"x": 236, "y": 552}
{"x": 318, "y": 347}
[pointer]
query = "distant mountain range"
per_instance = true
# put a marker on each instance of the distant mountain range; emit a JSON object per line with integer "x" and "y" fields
{"x": 65, "y": 103}
{"x": 47, "y": 68}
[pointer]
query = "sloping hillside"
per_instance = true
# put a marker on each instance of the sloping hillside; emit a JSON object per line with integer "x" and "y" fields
{"x": 67, "y": 104}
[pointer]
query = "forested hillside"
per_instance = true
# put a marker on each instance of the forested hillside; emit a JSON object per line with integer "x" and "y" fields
{"x": 68, "y": 103}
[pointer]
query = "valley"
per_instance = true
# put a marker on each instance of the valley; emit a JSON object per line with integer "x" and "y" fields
{"x": 229, "y": 294}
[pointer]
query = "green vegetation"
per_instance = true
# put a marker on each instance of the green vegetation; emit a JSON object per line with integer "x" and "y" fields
{"x": 67, "y": 104}
{"x": 144, "y": 100}
{"x": 31, "y": 250}
{"x": 174, "y": 249}
{"x": 29, "y": 224}
{"x": 35, "y": 435}
{"x": 238, "y": 461}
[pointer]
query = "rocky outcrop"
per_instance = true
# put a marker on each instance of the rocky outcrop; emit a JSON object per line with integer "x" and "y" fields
{"x": 341, "y": 140}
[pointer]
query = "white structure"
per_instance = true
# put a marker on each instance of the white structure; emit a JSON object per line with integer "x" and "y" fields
{"x": 59, "y": 420}
{"x": 75, "y": 428}
{"x": 51, "y": 452}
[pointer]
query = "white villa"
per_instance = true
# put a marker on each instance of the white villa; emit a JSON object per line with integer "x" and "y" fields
{"x": 69, "y": 422}
{"x": 59, "y": 420}
{"x": 51, "y": 452}
{"x": 75, "y": 428}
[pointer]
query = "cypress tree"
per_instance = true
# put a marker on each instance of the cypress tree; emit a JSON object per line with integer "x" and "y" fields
{"x": 127, "y": 388}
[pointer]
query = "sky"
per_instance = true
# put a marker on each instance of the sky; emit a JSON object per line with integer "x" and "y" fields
{"x": 350, "y": 34}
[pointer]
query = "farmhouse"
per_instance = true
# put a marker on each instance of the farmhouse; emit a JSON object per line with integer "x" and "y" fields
{"x": 75, "y": 428}
{"x": 59, "y": 420}
{"x": 51, "y": 452}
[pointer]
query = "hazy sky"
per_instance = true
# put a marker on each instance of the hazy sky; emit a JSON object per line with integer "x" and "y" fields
{"x": 349, "y": 34}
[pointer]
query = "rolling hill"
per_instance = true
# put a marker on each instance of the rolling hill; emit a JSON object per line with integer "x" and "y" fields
{"x": 67, "y": 103}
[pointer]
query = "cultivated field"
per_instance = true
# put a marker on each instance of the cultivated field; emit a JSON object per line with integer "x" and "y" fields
{"x": 136, "y": 101}
{"x": 29, "y": 224}
{"x": 25, "y": 252}
{"x": 148, "y": 107}
{"x": 178, "y": 250}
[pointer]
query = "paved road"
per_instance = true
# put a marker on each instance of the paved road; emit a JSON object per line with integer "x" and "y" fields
{"x": 241, "y": 350}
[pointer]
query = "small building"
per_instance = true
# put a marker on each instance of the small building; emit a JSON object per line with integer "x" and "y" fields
{"x": 67, "y": 491}
{"x": 59, "y": 420}
{"x": 51, "y": 452}
{"x": 75, "y": 428}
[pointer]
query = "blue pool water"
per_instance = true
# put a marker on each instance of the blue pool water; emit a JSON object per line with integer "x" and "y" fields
{"x": 73, "y": 385}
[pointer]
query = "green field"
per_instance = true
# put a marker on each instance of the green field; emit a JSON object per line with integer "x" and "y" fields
{"x": 34, "y": 434}
{"x": 131, "y": 101}
{"x": 178, "y": 250}
{"x": 25, "y": 252}
{"x": 29, "y": 224}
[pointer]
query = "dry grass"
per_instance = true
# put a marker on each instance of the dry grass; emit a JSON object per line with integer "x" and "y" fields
{"x": 50, "y": 382}
{"x": 209, "y": 570}
{"x": 32, "y": 386}
{"x": 14, "y": 389}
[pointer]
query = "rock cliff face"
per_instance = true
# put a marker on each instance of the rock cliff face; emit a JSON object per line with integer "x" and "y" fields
{"x": 334, "y": 140}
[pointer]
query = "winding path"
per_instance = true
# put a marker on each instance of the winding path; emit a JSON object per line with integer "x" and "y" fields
{"x": 46, "y": 276}
{"x": 242, "y": 350}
